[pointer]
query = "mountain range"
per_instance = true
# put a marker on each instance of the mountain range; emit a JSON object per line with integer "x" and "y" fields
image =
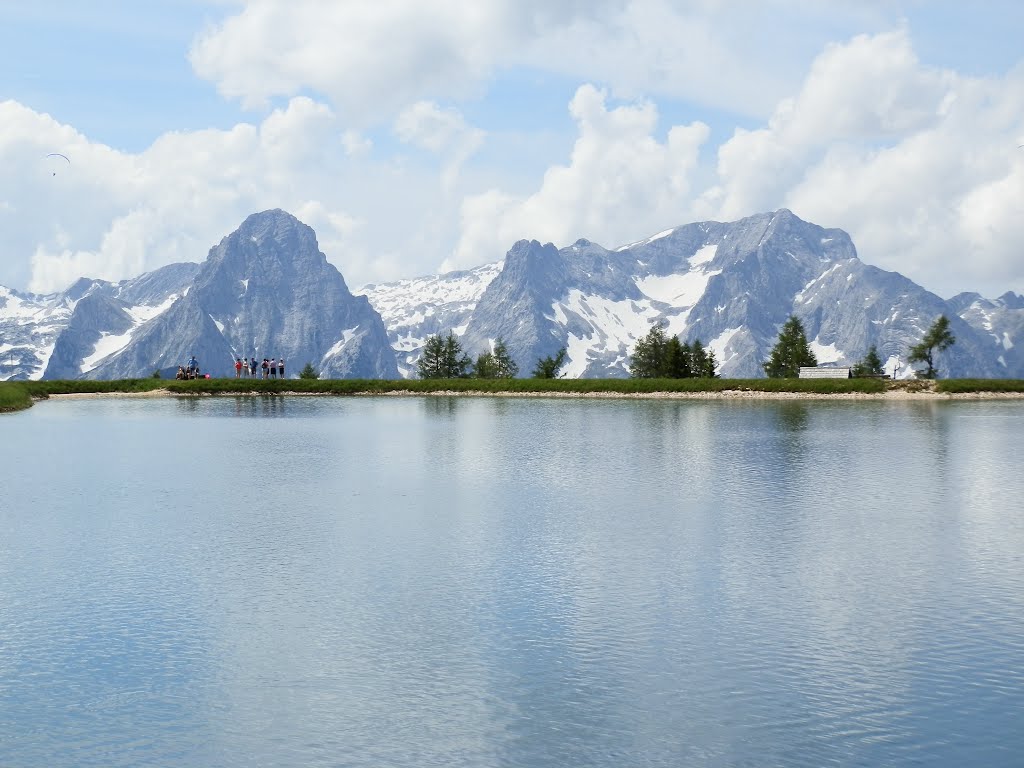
{"x": 266, "y": 290}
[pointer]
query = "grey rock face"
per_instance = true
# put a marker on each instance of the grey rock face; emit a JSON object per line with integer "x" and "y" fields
{"x": 418, "y": 308}
{"x": 731, "y": 286}
{"x": 265, "y": 290}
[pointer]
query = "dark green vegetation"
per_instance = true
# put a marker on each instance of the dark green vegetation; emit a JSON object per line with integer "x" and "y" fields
{"x": 16, "y": 395}
{"x": 791, "y": 353}
{"x": 870, "y": 365}
{"x": 548, "y": 367}
{"x": 444, "y": 358}
{"x": 968, "y": 386}
{"x": 938, "y": 339}
{"x": 659, "y": 356}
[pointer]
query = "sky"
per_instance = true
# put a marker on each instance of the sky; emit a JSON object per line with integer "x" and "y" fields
{"x": 420, "y": 137}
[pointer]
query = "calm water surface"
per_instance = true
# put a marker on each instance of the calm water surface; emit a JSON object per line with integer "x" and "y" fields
{"x": 511, "y": 582}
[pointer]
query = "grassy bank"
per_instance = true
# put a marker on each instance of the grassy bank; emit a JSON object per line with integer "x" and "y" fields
{"x": 14, "y": 396}
{"x": 967, "y": 386}
{"x": 18, "y": 395}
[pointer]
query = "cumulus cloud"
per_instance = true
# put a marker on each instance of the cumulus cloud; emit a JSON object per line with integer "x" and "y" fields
{"x": 373, "y": 57}
{"x": 114, "y": 215}
{"x": 916, "y": 163}
{"x": 442, "y": 131}
{"x": 620, "y": 181}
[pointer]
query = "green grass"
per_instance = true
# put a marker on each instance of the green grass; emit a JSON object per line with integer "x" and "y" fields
{"x": 18, "y": 394}
{"x": 14, "y": 396}
{"x": 960, "y": 386}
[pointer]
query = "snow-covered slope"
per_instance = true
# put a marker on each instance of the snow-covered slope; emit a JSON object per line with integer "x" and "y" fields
{"x": 730, "y": 285}
{"x": 415, "y": 309}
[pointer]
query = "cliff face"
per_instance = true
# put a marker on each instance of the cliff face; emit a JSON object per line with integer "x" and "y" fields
{"x": 265, "y": 290}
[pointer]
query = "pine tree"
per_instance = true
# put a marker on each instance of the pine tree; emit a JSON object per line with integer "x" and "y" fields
{"x": 308, "y": 372}
{"x": 938, "y": 339}
{"x": 547, "y": 367}
{"x": 443, "y": 358}
{"x": 791, "y": 352}
{"x": 456, "y": 362}
{"x": 648, "y": 360}
{"x": 485, "y": 366}
{"x": 505, "y": 366}
{"x": 677, "y": 359}
{"x": 702, "y": 361}
{"x": 870, "y": 364}
{"x": 431, "y": 362}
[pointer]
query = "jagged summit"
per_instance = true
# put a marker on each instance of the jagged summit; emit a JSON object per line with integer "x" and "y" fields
{"x": 266, "y": 290}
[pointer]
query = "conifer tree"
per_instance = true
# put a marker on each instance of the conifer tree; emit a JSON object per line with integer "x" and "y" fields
{"x": 702, "y": 361}
{"x": 791, "y": 352}
{"x": 505, "y": 366}
{"x": 548, "y": 367}
{"x": 443, "y": 358}
{"x": 677, "y": 359}
{"x": 648, "y": 360}
{"x": 485, "y": 367}
{"x": 938, "y": 339}
{"x": 870, "y": 364}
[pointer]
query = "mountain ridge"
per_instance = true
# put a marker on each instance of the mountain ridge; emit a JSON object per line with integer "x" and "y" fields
{"x": 267, "y": 287}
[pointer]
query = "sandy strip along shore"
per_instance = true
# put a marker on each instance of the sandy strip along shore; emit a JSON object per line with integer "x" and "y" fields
{"x": 729, "y": 394}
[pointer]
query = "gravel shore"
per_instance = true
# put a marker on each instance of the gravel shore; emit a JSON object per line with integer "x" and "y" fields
{"x": 729, "y": 394}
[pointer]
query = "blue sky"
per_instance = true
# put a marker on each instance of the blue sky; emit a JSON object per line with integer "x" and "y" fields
{"x": 416, "y": 137}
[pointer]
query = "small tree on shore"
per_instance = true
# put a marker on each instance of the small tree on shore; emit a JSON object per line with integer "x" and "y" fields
{"x": 443, "y": 358}
{"x": 308, "y": 372}
{"x": 791, "y": 352}
{"x": 505, "y": 366}
{"x": 547, "y": 367}
{"x": 702, "y": 361}
{"x": 938, "y": 339}
{"x": 497, "y": 364}
{"x": 649, "y": 354}
{"x": 870, "y": 365}
{"x": 485, "y": 367}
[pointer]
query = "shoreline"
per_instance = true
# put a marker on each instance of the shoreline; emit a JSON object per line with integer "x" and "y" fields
{"x": 728, "y": 394}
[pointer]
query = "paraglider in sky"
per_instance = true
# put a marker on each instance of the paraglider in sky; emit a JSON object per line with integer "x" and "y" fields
{"x": 56, "y": 157}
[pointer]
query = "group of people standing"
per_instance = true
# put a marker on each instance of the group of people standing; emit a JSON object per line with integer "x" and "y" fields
{"x": 270, "y": 368}
{"x": 190, "y": 370}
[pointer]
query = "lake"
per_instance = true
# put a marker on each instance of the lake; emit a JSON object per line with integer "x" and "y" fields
{"x": 420, "y": 581}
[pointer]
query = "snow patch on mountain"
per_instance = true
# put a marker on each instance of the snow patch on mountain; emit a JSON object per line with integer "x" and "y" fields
{"x": 826, "y": 353}
{"x": 106, "y": 346}
{"x": 609, "y": 328}
{"x": 720, "y": 345}
{"x": 346, "y": 336}
{"x": 704, "y": 255}
{"x": 415, "y": 309}
{"x": 680, "y": 290}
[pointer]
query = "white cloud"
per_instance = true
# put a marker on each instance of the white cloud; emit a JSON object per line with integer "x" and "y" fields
{"x": 442, "y": 131}
{"x": 916, "y": 163}
{"x": 113, "y": 215}
{"x": 620, "y": 181}
{"x": 370, "y": 58}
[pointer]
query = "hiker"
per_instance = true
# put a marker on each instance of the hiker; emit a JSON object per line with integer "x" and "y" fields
{"x": 280, "y": 367}
{"x": 254, "y": 367}
{"x": 181, "y": 372}
{"x": 266, "y": 368}
{"x": 273, "y": 369}
{"x": 238, "y": 367}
